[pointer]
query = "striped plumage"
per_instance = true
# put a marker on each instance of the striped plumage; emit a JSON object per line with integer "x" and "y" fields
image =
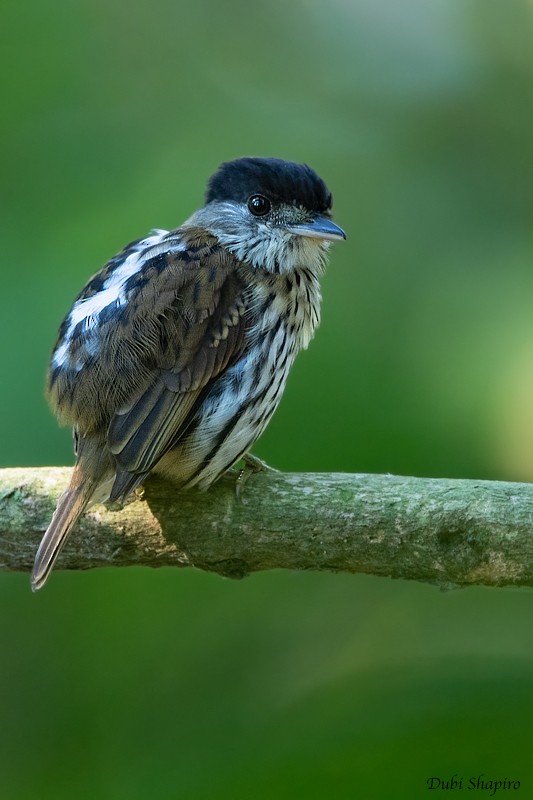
{"x": 175, "y": 355}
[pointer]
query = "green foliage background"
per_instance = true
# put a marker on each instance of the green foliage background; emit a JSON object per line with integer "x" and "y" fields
{"x": 419, "y": 115}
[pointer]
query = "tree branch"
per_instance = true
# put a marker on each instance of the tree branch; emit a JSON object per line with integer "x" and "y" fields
{"x": 446, "y": 532}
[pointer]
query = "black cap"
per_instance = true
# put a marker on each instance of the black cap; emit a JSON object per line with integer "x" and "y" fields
{"x": 280, "y": 181}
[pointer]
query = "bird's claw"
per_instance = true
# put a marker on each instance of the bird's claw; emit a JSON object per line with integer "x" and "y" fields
{"x": 251, "y": 464}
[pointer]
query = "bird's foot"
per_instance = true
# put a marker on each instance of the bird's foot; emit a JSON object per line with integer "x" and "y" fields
{"x": 251, "y": 464}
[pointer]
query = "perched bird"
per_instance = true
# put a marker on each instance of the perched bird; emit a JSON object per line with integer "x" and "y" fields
{"x": 175, "y": 355}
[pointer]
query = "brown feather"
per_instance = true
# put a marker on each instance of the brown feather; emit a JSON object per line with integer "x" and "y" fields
{"x": 91, "y": 469}
{"x": 161, "y": 327}
{"x": 205, "y": 328}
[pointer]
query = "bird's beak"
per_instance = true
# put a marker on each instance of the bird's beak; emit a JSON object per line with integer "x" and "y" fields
{"x": 318, "y": 228}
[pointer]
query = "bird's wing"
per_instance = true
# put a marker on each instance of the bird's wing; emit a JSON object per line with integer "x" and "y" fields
{"x": 143, "y": 343}
{"x": 200, "y": 329}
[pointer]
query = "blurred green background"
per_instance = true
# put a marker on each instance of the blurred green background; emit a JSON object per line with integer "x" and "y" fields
{"x": 419, "y": 115}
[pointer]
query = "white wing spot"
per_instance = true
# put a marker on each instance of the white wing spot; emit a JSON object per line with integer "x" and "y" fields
{"x": 60, "y": 354}
{"x": 87, "y": 310}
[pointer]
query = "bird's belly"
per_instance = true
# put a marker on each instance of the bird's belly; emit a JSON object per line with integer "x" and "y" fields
{"x": 234, "y": 414}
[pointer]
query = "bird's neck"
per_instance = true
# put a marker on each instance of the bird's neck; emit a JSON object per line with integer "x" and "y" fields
{"x": 267, "y": 248}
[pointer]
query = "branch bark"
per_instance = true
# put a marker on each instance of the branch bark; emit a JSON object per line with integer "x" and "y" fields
{"x": 445, "y": 532}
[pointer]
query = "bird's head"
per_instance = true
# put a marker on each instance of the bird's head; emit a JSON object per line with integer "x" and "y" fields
{"x": 271, "y": 213}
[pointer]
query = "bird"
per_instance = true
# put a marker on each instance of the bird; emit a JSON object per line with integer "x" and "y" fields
{"x": 175, "y": 355}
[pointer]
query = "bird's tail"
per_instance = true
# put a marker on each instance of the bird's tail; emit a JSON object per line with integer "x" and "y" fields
{"x": 71, "y": 504}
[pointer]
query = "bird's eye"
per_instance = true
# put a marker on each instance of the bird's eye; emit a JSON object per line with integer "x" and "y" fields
{"x": 259, "y": 205}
